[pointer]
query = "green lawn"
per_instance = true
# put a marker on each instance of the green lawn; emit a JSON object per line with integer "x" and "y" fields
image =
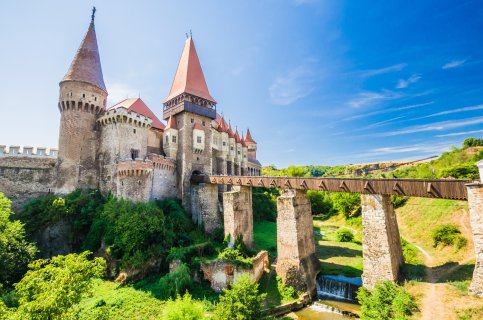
{"x": 265, "y": 237}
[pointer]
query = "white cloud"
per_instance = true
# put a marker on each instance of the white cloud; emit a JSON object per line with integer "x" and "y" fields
{"x": 453, "y": 64}
{"x": 375, "y": 72}
{"x": 119, "y": 91}
{"x": 458, "y": 110}
{"x": 386, "y": 110}
{"x": 295, "y": 85}
{"x": 464, "y": 133}
{"x": 437, "y": 126}
{"x": 402, "y": 83}
{"x": 422, "y": 149}
{"x": 367, "y": 98}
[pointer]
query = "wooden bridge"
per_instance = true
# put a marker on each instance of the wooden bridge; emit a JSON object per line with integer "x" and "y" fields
{"x": 427, "y": 188}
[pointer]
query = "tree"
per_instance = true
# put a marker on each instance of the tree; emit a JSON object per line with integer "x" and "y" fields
{"x": 240, "y": 302}
{"x": 346, "y": 203}
{"x": 386, "y": 301}
{"x": 472, "y": 142}
{"x": 320, "y": 202}
{"x": 52, "y": 286}
{"x": 15, "y": 252}
{"x": 183, "y": 308}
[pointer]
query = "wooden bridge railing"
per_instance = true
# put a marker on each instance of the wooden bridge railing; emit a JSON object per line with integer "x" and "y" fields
{"x": 427, "y": 188}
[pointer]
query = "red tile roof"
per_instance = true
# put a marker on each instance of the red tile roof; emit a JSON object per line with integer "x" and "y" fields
{"x": 171, "y": 123}
{"x": 222, "y": 127}
{"x": 137, "y": 105}
{"x": 237, "y": 137}
{"x": 230, "y": 131}
{"x": 86, "y": 65}
{"x": 189, "y": 76}
{"x": 198, "y": 126}
{"x": 243, "y": 141}
{"x": 249, "y": 139}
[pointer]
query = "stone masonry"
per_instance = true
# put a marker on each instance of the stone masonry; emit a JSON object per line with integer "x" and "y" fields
{"x": 297, "y": 263}
{"x": 475, "y": 202}
{"x": 238, "y": 214}
{"x": 204, "y": 206}
{"x": 381, "y": 245}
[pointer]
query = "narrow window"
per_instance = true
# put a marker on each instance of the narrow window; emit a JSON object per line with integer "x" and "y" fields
{"x": 134, "y": 130}
{"x": 198, "y": 139}
{"x": 192, "y": 120}
{"x": 134, "y": 154}
{"x": 224, "y": 143}
{"x": 95, "y": 98}
{"x": 167, "y": 139}
{"x": 174, "y": 139}
{"x": 83, "y": 95}
{"x": 203, "y": 122}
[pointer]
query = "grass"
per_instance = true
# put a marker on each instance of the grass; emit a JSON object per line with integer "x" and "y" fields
{"x": 265, "y": 237}
{"x": 110, "y": 301}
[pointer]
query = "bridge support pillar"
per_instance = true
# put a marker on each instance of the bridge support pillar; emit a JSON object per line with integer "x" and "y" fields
{"x": 297, "y": 263}
{"x": 204, "y": 206}
{"x": 381, "y": 245}
{"x": 238, "y": 214}
{"x": 475, "y": 202}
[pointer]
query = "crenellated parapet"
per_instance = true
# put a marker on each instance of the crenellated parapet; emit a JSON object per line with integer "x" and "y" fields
{"x": 138, "y": 168}
{"x": 122, "y": 115}
{"x": 27, "y": 151}
{"x": 162, "y": 163}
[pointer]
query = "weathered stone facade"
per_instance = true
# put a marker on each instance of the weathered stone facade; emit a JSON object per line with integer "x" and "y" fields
{"x": 297, "y": 263}
{"x": 222, "y": 273}
{"x": 475, "y": 202}
{"x": 205, "y": 206}
{"x": 381, "y": 245}
{"x": 238, "y": 214}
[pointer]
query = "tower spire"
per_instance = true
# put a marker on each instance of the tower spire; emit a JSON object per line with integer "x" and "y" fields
{"x": 86, "y": 65}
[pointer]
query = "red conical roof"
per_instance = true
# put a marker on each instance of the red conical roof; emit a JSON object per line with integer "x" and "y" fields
{"x": 222, "y": 127}
{"x": 86, "y": 66}
{"x": 171, "y": 123}
{"x": 137, "y": 105}
{"x": 237, "y": 137}
{"x": 230, "y": 131}
{"x": 243, "y": 141}
{"x": 249, "y": 139}
{"x": 189, "y": 76}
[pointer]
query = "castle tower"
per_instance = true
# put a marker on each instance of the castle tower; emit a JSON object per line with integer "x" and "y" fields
{"x": 82, "y": 98}
{"x": 251, "y": 145}
{"x": 192, "y": 107}
{"x": 170, "y": 142}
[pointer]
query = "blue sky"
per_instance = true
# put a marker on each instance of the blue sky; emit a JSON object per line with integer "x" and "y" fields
{"x": 317, "y": 82}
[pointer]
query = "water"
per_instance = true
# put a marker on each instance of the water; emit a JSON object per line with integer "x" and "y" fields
{"x": 338, "y": 287}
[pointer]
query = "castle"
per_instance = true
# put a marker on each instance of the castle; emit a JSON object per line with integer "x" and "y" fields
{"x": 125, "y": 149}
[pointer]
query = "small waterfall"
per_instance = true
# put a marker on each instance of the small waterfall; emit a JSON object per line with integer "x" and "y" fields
{"x": 338, "y": 287}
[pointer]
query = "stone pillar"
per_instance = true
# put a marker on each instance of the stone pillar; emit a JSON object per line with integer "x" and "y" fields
{"x": 238, "y": 214}
{"x": 204, "y": 206}
{"x": 475, "y": 202}
{"x": 297, "y": 263}
{"x": 381, "y": 245}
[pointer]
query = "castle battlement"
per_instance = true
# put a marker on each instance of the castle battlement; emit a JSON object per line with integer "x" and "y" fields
{"x": 136, "y": 167}
{"x": 27, "y": 151}
{"x": 162, "y": 163}
{"x": 122, "y": 115}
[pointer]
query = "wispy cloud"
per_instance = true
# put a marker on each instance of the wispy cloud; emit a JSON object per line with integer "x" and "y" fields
{"x": 119, "y": 91}
{"x": 458, "y": 110}
{"x": 455, "y": 134}
{"x": 453, "y": 64}
{"x": 386, "y": 110}
{"x": 375, "y": 72}
{"x": 367, "y": 98}
{"x": 404, "y": 83}
{"x": 381, "y": 123}
{"x": 436, "y": 126}
{"x": 422, "y": 149}
{"x": 296, "y": 84}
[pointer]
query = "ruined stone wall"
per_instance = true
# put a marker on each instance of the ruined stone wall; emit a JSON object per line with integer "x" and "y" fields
{"x": 238, "y": 214}
{"x": 381, "y": 246}
{"x": 22, "y": 178}
{"x": 188, "y": 160}
{"x": 204, "y": 205}
{"x": 475, "y": 202}
{"x": 297, "y": 263}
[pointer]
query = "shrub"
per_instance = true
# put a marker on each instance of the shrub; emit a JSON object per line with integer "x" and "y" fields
{"x": 386, "y": 301}
{"x": 448, "y": 234}
{"x": 241, "y": 301}
{"x": 176, "y": 282}
{"x": 236, "y": 257}
{"x": 288, "y": 293}
{"x": 320, "y": 202}
{"x": 348, "y": 204}
{"x": 344, "y": 235}
{"x": 398, "y": 201}
{"x": 183, "y": 308}
{"x": 264, "y": 203}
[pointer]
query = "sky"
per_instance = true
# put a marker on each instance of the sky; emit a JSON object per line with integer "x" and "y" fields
{"x": 317, "y": 82}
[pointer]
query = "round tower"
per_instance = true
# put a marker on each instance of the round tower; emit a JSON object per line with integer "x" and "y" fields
{"x": 82, "y": 99}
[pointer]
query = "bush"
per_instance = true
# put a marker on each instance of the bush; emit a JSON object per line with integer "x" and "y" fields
{"x": 241, "y": 301}
{"x": 176, "y": 282}
{"x": 236, "y": 257}
{"x": 320, "y": 202}
{"x": 348, "y": 204}
{"x": 264, "y": 203}
{"x": 386, "y": 301}
{"x": 398, "y": 201}
{"x": 288, "y": 293}
{"x": 344, "y": 235}
{"x": 447, "y": 235}
{"x": 183, "y": 308}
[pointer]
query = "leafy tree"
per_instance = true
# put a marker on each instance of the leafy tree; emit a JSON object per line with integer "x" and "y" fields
{"x": 386, "y": 301}
{"x": 240, "y": 302}
{"x": 264, "y": 203}
{"x": 51, "y": 287}
{"x": 344, "y": 235}
{"x": 296, "y": 171}
{"x": 347, "y": 203}
{"x": 15, "y": 252}
{"x": 321, "y": 202}
{"x": 183, "y": 308}
{"x": 461, "y": 171}
{"x": 472, "y": 142}
{"x": 176, "y": 282}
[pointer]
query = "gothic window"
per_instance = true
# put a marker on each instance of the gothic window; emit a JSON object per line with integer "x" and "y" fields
{"x": 198, "y": 139}
{"x": 134, "y": 154}
{"x": 174, "y": 139}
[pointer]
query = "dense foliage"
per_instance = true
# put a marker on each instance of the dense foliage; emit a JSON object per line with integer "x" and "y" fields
{"x": 51, "y": 287}
{"x": 15, "y": 252}
{"x": 344, "y": 235}
{"x": 386, "y": 301}
{"x": 288, "y": 293}
{"x": 183, "y": 308}
{"x": 242, "y": 301}
{"x": 264, "y": 203}
{"x": 447, "y": 235}
{"x": 176, "y": 282}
